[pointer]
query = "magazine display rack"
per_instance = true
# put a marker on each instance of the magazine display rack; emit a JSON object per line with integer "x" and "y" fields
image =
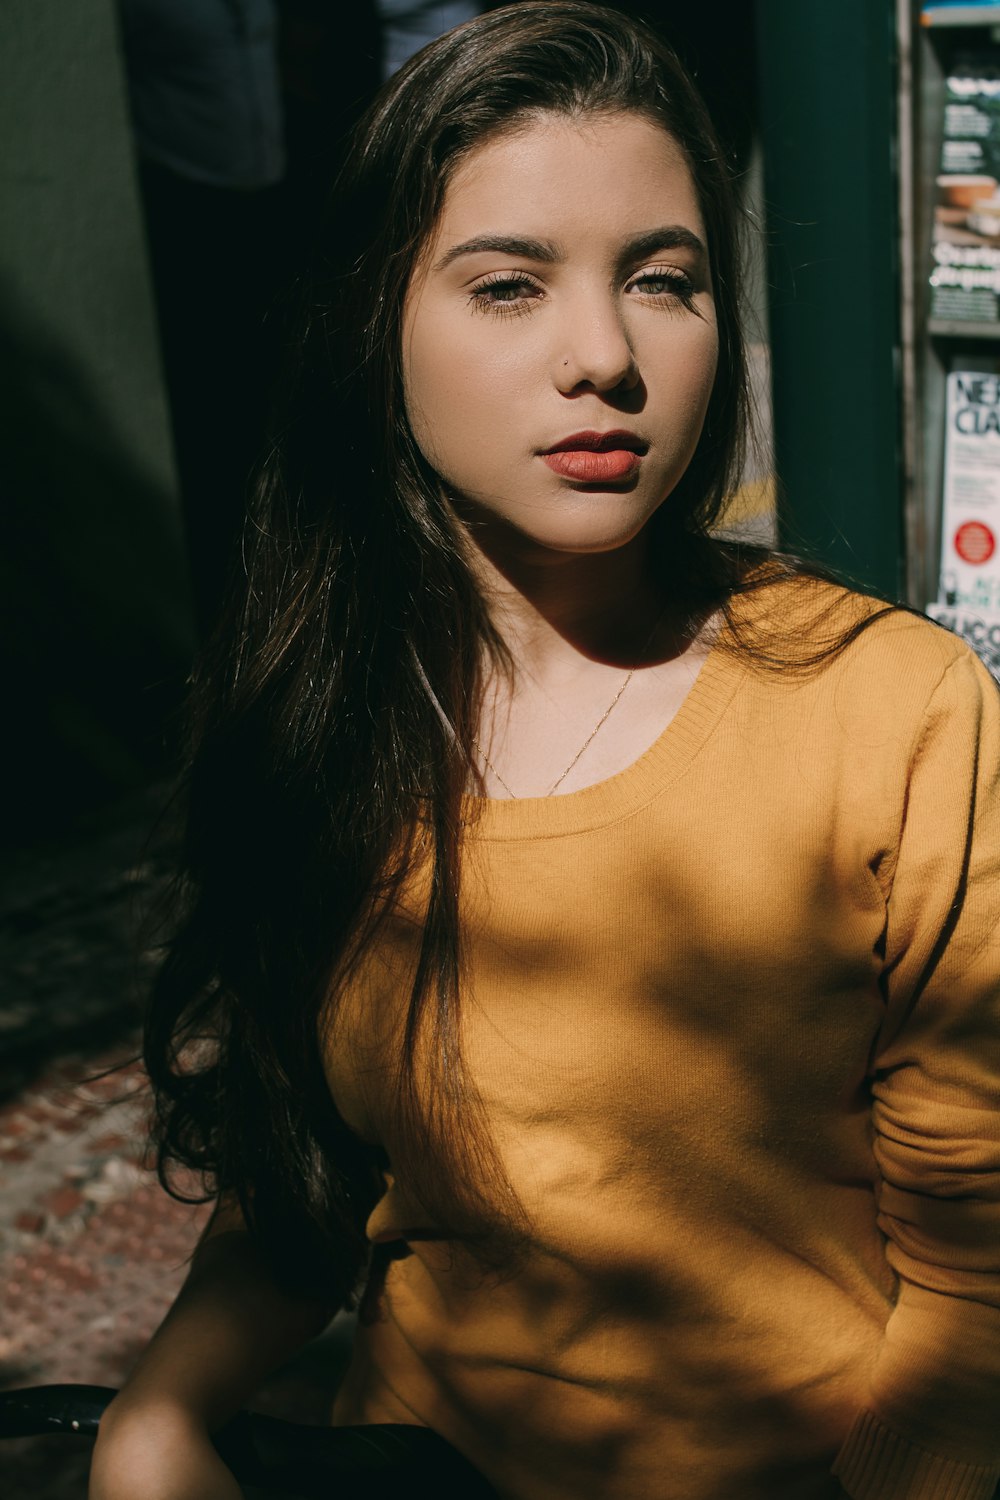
{"x": 950, "y": 212}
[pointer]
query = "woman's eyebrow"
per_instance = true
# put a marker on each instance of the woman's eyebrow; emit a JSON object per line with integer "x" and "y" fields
{"x": 502, "y": 244}
{"x": 665, "y": 237}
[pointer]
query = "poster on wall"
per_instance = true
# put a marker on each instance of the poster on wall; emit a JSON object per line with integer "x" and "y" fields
{"x": 965, "y": 272}
{"x": 969, "y": 597}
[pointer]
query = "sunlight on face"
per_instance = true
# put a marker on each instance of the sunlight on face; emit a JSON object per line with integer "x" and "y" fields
{"x": 565, "y": 294}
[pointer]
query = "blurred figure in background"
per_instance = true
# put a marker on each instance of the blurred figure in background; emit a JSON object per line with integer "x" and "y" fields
{"x": 240, "y": 109}
{"x": 408, "y": 25}
{"x": 208, "y": 123}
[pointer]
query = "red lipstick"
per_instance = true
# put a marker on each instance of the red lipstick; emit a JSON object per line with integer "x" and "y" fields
{"x": 596, "y": 457}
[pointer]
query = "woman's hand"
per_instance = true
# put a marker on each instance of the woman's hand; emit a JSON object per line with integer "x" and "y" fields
{"x": 157, "y": 1453}
{"x": 230, "y": 1325}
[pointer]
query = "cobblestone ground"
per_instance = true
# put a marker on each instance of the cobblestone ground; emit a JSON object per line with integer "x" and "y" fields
{"x": 91, "y": 1249}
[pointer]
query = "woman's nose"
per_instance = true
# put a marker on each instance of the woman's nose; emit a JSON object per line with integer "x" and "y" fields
{"x": 595, "y": 351}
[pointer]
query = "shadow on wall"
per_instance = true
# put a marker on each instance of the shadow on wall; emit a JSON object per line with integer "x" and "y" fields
{"x": 95, "y": 618}
{"x": 96, "y": 634}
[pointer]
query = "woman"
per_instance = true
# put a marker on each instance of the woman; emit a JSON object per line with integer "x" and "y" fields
{"x": 590, "y": 943}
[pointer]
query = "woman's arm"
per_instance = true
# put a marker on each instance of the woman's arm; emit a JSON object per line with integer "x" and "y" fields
{"x": 930, "y": 1428}
{"x": 229, "y": 1327}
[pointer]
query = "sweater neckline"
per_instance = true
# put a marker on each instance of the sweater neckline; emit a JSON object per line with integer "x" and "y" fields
{"x": 618, "y": 796}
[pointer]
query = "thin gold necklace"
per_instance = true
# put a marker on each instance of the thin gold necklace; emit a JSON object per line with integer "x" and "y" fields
{"x": 599, "y": 725}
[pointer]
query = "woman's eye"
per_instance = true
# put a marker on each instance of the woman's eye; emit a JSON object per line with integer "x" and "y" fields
{"x": 673, "y": 284}
{"x": 504, "y": 295}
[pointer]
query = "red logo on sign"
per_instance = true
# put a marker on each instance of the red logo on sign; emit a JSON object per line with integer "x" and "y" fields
{"x": 974, "y": 542}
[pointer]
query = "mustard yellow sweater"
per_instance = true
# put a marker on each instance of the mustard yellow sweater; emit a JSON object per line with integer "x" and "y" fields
{"x": 734, "y": 1015}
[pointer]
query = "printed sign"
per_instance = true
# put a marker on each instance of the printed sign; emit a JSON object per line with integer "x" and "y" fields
{"x": 969, "y": 598}
{"x": 981, "y": 632}
{"x": 970, "y": 561}
{"x": 965, "y": 276}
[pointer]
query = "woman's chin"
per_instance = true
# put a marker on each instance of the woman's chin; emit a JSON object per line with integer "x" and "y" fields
{"x": 606, "y": 523}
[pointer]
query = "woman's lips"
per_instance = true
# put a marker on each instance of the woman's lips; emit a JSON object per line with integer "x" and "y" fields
{"x": 597, "y": 457}
{"x": 591, "y": 467}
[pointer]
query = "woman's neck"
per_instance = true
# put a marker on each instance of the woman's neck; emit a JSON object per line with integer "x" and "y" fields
{"x": 599, "y": 664}
{"x": 551, "y": 610}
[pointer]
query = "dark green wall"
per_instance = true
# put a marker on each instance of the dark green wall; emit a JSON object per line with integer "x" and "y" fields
{"x": 96, "y": 617}
{"x": 828, "y": 122}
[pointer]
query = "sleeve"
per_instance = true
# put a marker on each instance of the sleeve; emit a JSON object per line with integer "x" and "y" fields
{"x": 931, "y": 1429}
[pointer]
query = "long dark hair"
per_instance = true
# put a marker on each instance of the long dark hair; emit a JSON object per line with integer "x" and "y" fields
{"x": 333, "y": 712}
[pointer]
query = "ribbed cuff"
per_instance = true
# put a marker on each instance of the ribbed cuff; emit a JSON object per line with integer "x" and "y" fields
{"x": 875, "y": 1463}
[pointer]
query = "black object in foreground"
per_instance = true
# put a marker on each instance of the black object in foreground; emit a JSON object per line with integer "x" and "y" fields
{"x": 289, "y": 1458}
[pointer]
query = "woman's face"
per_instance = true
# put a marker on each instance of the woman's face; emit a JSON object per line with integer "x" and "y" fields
{"x": 559, "y": 334}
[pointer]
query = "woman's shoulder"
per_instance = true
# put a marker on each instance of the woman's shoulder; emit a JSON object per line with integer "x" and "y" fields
{"x": 837, "y": 678}
{"x": 802, "y": 625}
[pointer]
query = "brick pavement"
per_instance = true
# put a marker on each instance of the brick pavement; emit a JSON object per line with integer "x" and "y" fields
{"x": 91, "y": 1249}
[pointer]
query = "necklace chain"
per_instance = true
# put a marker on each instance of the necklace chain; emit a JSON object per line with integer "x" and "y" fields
{"x": 590, "y": 737}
